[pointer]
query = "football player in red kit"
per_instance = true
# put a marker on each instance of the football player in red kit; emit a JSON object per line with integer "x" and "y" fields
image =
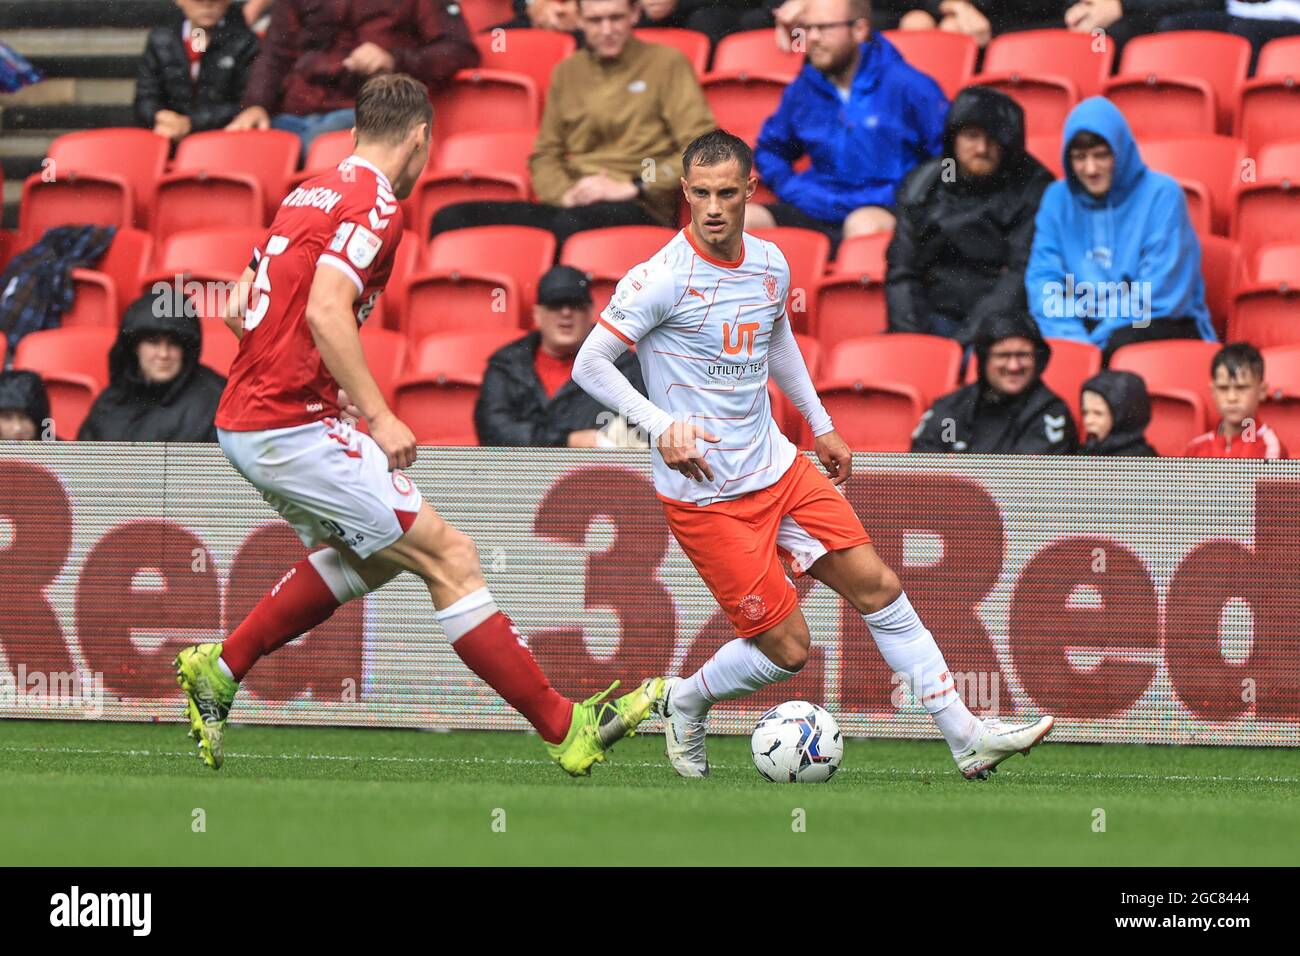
{"x": 281, "y": 423}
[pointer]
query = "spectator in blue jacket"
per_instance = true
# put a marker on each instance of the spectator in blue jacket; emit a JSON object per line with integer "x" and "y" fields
{"x": 1115, "y": 259}
{"x": 860, "y": 113}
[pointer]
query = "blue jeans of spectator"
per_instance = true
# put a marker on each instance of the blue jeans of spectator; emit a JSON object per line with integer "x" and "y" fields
{"x": 308, "y": 127}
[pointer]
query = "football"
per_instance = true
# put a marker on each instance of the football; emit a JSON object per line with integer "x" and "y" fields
{"x": 797, "y": 742}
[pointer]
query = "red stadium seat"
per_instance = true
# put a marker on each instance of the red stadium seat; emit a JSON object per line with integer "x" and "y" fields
{"x": 1046, "y": 100}
{"x": 219, "y": 345}
{"x": 876, "y": 388}
{"x": 755, "y": 51}
{"x": 385, "y": 352}
{"x": 409, "y": 255}
{"x": 1072, "y": 364}
{"x": 607, "y": 255}
{"x": 482, "y": 15}
{"x": 1177, "y": 375}
{"x": 435, "y": 192}
{"x": 481, "y": 165}
{"x": 862, "y": 256}
{"x": 187, "y": 201}
{"x": 947, "y": 57}
{"x": 219, "y": 255}
{"x": 534, "y": 53}
{"x": 101, "y": 200}
{"x": 1279, "y": 57}
{"x": 136, "y": 156}
{"x": 1277, "y": 262}
{"x": 485, "y": 99}
{"x": 1266, "y": 314}
{"x": 1175, "y": 58}
{"x": 1156, "y": 105}
{"x": 327, "y": 151}
{"x": 1048, "y": 150}
{"x": 523, "y": 252}
{"x": 76, "y": 351}
{"x": 8, "y": 241}
{"x": 844, "y": 307}
{"x": 690, "y": 43}
{"x": 103, "y": 293}
{"x": 436, "y": 397}
{"x": 269, "y": 156}
{"x": 1279, "y": 160}
{"x": 1078, "y": 57}
{"x": 1266, "y": 213}
{"x": 1282, "y": 409}
{"x": 1214, "y": 161}
{"x": 1221, "y": 269}
{"x": 787, "y": 416}
{"x": 448, "y": 300}
{"x": 807, "y": 252}
{"x": 1269, "y": 110}
{"x": 742, "y": 101}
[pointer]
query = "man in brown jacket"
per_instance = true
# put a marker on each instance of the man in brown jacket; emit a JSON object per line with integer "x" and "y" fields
{"x": 317, "y": 53}
{"x": 618, "y": 115}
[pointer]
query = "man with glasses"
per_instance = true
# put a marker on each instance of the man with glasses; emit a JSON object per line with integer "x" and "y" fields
{"x": 1008, "y": 410}
{"x": 860, "y": 113}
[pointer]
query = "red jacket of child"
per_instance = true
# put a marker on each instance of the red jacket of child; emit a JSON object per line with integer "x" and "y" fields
{"x": 1215, "y": 444}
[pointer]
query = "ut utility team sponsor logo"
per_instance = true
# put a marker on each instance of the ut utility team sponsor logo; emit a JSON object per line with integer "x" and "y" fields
{"x": 131, "y": 910}
{"x": 738, "y": 336}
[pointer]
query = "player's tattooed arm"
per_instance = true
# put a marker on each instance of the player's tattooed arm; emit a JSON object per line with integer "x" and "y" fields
{"x": 237, "y": 304}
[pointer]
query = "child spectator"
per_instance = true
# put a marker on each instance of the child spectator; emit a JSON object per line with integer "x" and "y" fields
{"x": 1237, "y": 378}
{"x": 24, "y": 407}
{"x": 1116, "y": 413}
{"x": 192, "y": 74}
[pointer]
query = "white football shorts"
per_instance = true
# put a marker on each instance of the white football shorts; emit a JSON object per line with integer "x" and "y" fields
{"x": 327, "y": 480}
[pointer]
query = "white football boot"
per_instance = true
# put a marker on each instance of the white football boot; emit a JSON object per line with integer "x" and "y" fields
{"x": 683, "y": 737}
{"x": 998, "y": 742}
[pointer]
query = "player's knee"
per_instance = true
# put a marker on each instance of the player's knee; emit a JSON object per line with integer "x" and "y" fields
{"x": 793, "y": 655}
{"x": 880, "y": 590}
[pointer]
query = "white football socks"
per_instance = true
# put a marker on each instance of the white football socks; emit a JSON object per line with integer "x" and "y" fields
{"x": 909, "y": 649}
{"x": 465, "y": 614}
{"x": 737, "y": 669}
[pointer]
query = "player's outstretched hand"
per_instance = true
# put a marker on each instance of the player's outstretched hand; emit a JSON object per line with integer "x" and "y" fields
{"x": 394, "y": 438}
{"x": 680, "y": 453}
{"x": 834, "y": 454}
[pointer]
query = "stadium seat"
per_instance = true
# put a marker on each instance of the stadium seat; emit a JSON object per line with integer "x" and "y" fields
{"x": 1266, "y": 213}
{"x": 476, "y": 166}
{"x": 1282, "y": 408}
{"x": 1156, "y": 105}
{"x": 947, "y": 57}
{"x": 449, "y": 300}
{"x": 76, "y": 351}
{"x": 385, "y": 352}
{"x": 8, "y": 241}
{"x": 482, "y": 15}
{"x": 742, "y": 101}
{"x": 436, "y": 397}
{"x": 1279, "y": 160}
{"x": 807, "y": 252}
{"x": 692, "y": 44}
{"x": 755, "y": 51}
{"x": 1059, "y": 53}
{"x": 844, "y": 307}
{"x": 219, "y": 345}
{"x": 787, "y": 416}
{"x": 1177, "y": 375}
{"x": 218, "y": 255}
{"x": 1048, "y": 150}
{"x": 1266, "y": 314}
{"x": 485, "y": 99}
{"x": 187, "y": 201}
{"x": 389, "y": 307}
{"x": 104, "y": 200}
{"x": 524, "y": 252}
{"x": 1046, "y": 100}
{"x": 1171, "y": 60}
{"x": 1269, "y": 107}
{"x": 269, "y": 156}
{"x": 607, "y": 254}
{"x": 1221, "y": 270}
{"x": 136, "y": 156}
{"x": 103, "y": 293}
{"x": 877, "y": 387}
{"x": 1213, "y": 161}
{"x": 1277, "y": 262}
{"x": 534, "y": 53}
{"x": 1072, "y": 364}
{"x": 862, "y": 256}
{"x": 326, "y": 152}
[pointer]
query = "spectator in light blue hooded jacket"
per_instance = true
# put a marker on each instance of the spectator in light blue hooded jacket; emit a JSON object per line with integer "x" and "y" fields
{"x": 1115, "y": 259}
{"x": 860, "y": 113}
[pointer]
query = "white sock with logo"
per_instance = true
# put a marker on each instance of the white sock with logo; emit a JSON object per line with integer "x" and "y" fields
{"x": 911, "y": 652}
{"x": 737, "y": 669}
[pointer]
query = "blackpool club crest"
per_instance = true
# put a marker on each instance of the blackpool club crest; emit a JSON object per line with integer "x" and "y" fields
{"x": 769, "y": 286}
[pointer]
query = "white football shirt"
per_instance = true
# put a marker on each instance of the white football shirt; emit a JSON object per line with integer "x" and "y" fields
{"x": 701, "y": 328}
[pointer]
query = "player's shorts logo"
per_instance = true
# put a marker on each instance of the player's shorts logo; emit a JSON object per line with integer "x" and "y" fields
{"x": 769, "y": 286}
{"x": 753, "y": 606}
{"x": 401, "y": 483}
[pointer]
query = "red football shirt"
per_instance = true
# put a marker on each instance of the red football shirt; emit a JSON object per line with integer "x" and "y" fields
{"x": 1217, "y": 445}
{"x": 346, "y": 219}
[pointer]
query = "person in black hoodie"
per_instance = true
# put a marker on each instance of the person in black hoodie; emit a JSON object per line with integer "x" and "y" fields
{"x": 24, "y": 407}
{"x": 1009, "y": 410}
{"x": 965, "y": 219}
{"x": 1116, "y": 413}
{"x": 157, "y": 391}
{"x": 192, "y": 74}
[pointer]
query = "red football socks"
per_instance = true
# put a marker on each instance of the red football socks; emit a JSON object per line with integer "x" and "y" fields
{"x": 302, "y": 600}
{"x": 493, "y": 652}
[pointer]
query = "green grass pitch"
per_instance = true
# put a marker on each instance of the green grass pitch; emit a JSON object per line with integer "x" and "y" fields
{"x": 126, "y": 794}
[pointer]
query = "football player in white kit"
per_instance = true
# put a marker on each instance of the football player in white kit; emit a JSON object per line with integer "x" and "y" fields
{"x": 707, "y": 314}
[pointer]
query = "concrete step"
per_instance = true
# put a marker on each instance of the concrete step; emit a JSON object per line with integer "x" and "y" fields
{"x": 88, "y": 67}
{"x": 64, "y": 117}
{"x": 75, "y": 13}
{"x": 82, "y": 41}
{"x": 67, "y": 91}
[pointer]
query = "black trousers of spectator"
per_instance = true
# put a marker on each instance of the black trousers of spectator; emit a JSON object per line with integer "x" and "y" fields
{"x": 561, "y": 220}
{"x": 1157, "y": 330}
{"x": 1258, "y": 32}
